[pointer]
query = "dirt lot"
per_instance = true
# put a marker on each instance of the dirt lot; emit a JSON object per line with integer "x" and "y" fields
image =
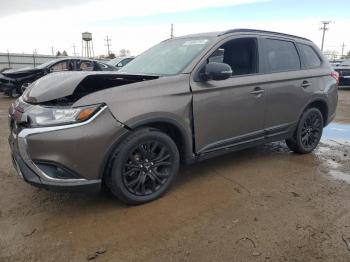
{"x": 261, "y": 204}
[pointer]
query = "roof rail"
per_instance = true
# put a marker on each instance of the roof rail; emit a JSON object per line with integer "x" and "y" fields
{"x": 244, "y": 30}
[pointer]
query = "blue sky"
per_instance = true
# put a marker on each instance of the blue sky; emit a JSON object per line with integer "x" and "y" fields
{"x": 138, "y": 24}
{"x": 266, "y": 10}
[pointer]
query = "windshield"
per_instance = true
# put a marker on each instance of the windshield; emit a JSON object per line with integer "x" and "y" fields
{"x": 46, "y": 64}
{"x": 167, "y": 58}
{"x": 115, "y": 61}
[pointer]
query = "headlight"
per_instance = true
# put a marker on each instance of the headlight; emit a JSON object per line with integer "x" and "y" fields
{"x": 49, "y": 116}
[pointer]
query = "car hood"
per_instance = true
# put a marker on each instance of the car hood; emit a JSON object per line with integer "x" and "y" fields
{"x": 20, "y": 72}
{"x": 68, "y": 87}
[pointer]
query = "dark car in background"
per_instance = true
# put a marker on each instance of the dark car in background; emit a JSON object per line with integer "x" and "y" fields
{"x": 14, "y": 81}
{"x": 184, "y": 100}
{"x": 119, "y": 62}
{"x": 343, "y": 70}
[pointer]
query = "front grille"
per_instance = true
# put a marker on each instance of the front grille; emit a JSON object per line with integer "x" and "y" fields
{"x": 4, "y": 81}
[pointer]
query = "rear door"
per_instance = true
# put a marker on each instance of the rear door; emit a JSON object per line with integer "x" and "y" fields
{"x": 287, "y": 87}
{"x": 232, "y": 111}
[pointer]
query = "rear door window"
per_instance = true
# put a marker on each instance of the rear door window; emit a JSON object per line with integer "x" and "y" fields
{"x": 61, "y": 66}
{"x": 85, "y": 65}
{"x": 281, "y": 55}
{"x": 310, "y": 59}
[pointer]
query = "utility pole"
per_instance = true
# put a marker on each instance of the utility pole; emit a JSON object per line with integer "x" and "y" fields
{"x": 74, "y": 46}
{"x": 172, "y": 31}
{"x": 342, "y": 49}
{"x": 8, "y": 58}
{"x": 324, "y": 28}
{"x": 52, "y": 51}
{"x": 108, "y": 44}
{"x": 34, "y": 53}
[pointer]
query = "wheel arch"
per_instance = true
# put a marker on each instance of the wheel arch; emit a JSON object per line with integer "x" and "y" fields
{"x": 180, "y": 135}
{"x": 321, "y": 105}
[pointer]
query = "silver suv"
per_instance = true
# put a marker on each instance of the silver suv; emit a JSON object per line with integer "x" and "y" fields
{"x": 184, "y": 100}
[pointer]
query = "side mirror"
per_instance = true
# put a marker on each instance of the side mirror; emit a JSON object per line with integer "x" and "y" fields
{"x": 216, "y": 71}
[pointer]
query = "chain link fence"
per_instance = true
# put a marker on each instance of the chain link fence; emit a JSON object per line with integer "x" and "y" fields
{"x": 12, "y": 60}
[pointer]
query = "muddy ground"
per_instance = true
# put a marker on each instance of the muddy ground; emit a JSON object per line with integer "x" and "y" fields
{"x": 261, "y": 204}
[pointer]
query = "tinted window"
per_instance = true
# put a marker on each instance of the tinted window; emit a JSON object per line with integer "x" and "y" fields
{"x": 61, "y": 66}
{"x": 282, "y": 56}
{"x": 240, "y": 54}
{"x": 310, "y": 58}
{"x": 86, "y": 66}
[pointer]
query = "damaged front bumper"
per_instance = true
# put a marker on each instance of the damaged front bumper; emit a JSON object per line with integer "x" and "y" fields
{"x": 65, "y": 158}
{"x": 40, "y": 179}
{"x": 7, "y": 84}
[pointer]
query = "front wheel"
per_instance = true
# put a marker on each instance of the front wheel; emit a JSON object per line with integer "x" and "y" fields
{"x": 24, "y": 86}
{"x": 14, "y": 93}
{"x": 308, "y": 132}
{"x": 143, "y": 167}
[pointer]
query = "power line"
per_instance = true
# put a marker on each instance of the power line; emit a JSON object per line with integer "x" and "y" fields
{"x": 108, "y": 44}
{"x": 324, "y": 28}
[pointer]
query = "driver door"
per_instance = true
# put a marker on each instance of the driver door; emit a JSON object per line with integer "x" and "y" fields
{"x": 230, "y": 112}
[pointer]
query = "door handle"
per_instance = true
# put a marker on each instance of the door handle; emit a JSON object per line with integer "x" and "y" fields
{"x": 257, "y": 91}
{"x": 305, "y": 84}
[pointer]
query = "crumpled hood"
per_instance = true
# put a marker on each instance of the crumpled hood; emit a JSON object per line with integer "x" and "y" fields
{"x": 20, "y": 72}
{"x": 74, "y": 85}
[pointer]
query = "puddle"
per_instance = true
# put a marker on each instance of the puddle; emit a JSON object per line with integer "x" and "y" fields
{"x": 335, "y": 151}
{"x": 337, "y": 131}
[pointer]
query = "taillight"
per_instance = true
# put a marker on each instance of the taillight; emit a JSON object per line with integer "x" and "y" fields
{"x": 335, "y": 75}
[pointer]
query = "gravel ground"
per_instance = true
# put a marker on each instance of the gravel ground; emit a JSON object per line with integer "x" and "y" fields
{"x": 260, "y": 204}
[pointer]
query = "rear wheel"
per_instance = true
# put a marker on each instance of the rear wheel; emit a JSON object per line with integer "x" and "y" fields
{"x": 143, "y": 166}
{"x": 308, "y": 132}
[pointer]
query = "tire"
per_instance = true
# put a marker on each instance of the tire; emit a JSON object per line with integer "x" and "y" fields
{"x": 143, "y": 166}
{"x": 14, "y": 93}
{"x": 308, "y": 133}
{"x": 24, "y": 86}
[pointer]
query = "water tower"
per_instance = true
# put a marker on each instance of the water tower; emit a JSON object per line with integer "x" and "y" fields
{"x": 86, "y": 45}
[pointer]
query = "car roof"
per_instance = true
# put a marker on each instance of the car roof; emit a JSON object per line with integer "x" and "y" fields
{"x": 76, "y": 58}
{"x": 244, "y": 31}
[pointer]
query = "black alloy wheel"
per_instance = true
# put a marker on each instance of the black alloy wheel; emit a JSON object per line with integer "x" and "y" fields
{"x": 311, "y": 130}
{"x": 143, "y": 166}
{"x": 147, "y": 168}
{"x": 308, "y": 132}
